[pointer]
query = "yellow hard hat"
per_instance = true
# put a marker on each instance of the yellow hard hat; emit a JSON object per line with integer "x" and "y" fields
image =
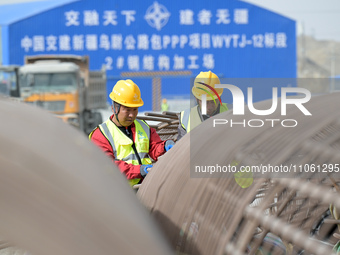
{"x": 200, "y": 85}
{"x": 126, "y": 93}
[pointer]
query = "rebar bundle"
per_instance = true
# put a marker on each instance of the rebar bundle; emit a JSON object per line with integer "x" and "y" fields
{"x": 291, "y": 205}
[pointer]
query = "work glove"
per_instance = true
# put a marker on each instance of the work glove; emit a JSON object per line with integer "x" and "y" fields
{"x": 144, "y": 169}
{"x": 168, "y": 145}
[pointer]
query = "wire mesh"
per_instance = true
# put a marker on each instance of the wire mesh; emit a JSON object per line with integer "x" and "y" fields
{"x": 279, "y": 213}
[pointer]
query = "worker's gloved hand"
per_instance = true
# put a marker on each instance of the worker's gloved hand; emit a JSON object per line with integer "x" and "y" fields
{"x": 144, "y": 169}
{"x": 169, "y": 144}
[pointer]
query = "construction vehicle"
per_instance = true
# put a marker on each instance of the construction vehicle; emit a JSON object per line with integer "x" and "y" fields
{"x": 64, "y": 85}
{"x": 9, "y": 81}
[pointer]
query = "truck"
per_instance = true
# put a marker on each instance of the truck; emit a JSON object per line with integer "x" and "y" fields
{"x": 64, "y": 86}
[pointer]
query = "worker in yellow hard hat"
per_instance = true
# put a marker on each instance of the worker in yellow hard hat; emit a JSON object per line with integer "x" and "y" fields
{"x": 129, "y": 142}
{"x": 204, "y": 84}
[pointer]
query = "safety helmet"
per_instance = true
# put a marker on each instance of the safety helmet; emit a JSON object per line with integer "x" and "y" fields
{"x": 164, "y": 101}
{"x": 126, "y": 93}
{"x": 200, "y": 88}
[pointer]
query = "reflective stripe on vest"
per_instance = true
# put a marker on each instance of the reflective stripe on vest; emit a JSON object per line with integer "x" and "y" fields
{"x": 109, "y": 137}
{"x": 190, "y": 118}
{"x": 122, "y": 145}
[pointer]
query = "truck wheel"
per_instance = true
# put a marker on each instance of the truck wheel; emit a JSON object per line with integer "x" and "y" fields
{"x": 98, "y": 119}
{"x": 87, "y": 120}
{"x": 91, "y": 120}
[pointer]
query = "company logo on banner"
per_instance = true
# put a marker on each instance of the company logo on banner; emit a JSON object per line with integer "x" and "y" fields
{"x": 157, "y": 16}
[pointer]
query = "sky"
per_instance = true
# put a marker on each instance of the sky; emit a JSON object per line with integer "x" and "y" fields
{"x": 318, "y": 18}
{"x": 17, "y": 1}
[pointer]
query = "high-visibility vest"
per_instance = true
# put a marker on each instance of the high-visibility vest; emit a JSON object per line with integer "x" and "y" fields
{"x": 165, "y": 107}
{"x": 190, "y": 118}
{"x": 122, "y": 145}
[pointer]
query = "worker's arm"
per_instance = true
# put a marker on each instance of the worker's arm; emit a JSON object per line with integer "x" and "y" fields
{"x": 129, "y": 170}
{"x": 156, "y": 146}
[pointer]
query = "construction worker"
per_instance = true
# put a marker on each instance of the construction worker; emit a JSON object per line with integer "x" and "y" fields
{"x": 204, "y": 84}
{"x": 129, "y": 142}
{"x": 165, "y": 106}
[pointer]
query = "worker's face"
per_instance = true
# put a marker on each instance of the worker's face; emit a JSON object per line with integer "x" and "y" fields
{"x": 211, "y": 107}
{"x": 127, "y": 115}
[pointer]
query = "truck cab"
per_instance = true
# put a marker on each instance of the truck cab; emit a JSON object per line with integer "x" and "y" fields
{"x": 55, "y": 86}
{"x": 64, "y": 86}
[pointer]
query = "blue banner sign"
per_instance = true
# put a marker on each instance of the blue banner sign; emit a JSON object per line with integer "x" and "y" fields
{"x": 231, "y": 38}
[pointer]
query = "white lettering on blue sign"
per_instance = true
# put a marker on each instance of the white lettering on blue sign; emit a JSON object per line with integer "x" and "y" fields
{"x": 223, "y": 16}
{"x": 64, "y": 43}
{"x": 78, "y": 42}
{"x": 208, "y": 61}
{"x": 91, "y": 18}
{"x": 133, "y": 62}
{"x": 269, "y": 40}
{"x": 156, "y": 42}
{"x": 193, "y": 64}
{"x": 204, "y": 17}
{"x": 72, "y": 18}
{"x": 120, "y": 62}
{"x": 148, "y": 62}
{"x": 281, "y": 40}
{"x": 157, "y": 16}
{"x": 51, "y": 42}
{"x": 163, "y": 62}
{"x": 205, "y": 41}
{"x": 110, "y": 17}
{"x": 241, "y": 16}
{"x": 104, "y": 42}
{"x": 179, "y": 62}
{"x": 183, "y": 39}
{"x": 258, "y": 41}
{"x": 186, "y": 17}
{"x": 26, "y": 43}
{"x": 195, "y": 41}
{"x": 117, "y": 41}
{"x": 129, "y": 16}
{"x": 166, "y": 41}
{"x": 130, "y": 42}
{"x": 143, "y": 42}
{"x": 174, "y": 41}
{"x": 108, "y": 63}
{"x": 93, "y": 42}
{"x": 38, "y": 43}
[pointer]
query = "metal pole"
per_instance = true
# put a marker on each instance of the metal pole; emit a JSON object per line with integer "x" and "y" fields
{"x": 156, "y": 93}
